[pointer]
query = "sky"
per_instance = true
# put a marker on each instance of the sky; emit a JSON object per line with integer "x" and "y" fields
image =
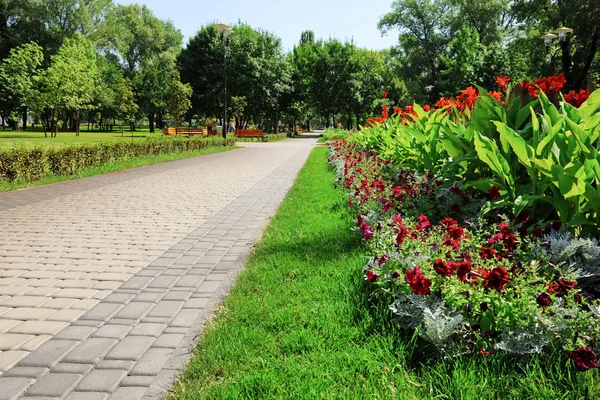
{"x": 342, "y": 19}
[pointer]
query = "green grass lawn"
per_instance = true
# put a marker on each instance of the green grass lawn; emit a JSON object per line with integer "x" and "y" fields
{"x": 36, "y": 136}
{"x": 298, "y": 324}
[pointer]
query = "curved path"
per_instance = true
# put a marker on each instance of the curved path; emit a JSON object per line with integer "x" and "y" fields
{"x": 105, "y": 281}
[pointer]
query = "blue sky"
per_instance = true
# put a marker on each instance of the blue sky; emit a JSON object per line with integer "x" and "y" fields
{"x": 345, "y": 19}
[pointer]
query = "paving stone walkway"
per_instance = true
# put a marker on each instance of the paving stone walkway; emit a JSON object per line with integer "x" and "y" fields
{"x": 105, "y": 282}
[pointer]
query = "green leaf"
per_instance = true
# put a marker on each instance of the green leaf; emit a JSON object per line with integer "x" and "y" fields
{"x": 523, "y": 150}
{"x": 490, "y": 154}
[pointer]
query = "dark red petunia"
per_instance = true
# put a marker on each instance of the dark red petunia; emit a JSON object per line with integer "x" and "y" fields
{"x": 442, "y": 268}
{"x": 423, "y": 223}
{"x": 451, "y": 243}
{"x": 494, "y": 192}
{"x": 463, "y": 270}
{"x": 456, "y": 232}
{"x": 562, "y": 287}
{"x": 372, "y": 276}
{"x": 487, "y": 253}
{"x": 584, "y": 358}
{"x": 497, "y": 278}
{"x": 402, "y": 234}
{"x": 544, "y": 300}
{"x": 418, "y": 283}
{"x": 384, "y": 259}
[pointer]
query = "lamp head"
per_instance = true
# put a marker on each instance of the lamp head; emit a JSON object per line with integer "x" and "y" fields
{"x": 548, "y": 38}
{"x": 562, "y": 33}
{"x": 221, "y": 28}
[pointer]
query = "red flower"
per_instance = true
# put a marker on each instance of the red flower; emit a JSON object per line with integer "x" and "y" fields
{"x": 544, "y": 300}
{"x": 451, "y": 243}
{"x": 467, "y": 98}
{"x": 384, "y": 94}
{"x": 577, "y": 99}
{"x": 423, "y": 223}
{"x": 584, "y": 358}
{"x": 562, "y": 287}
{"x": 367, "y": 231}
{"x": 372, "y": 276}
{"x": 503, "y": 82}
{"x": 494, "y": 192}
{"x": 418, "y": 283}
{"x": 426, "y": 107}
{"x": 442, "y": 268}
{"x": 397, "y": 110}
{"x": 384, "y": 259}
{"x": 487, "y": 253}
{"x": 462, "y": 270}
{"x": 448, "y": 222}
{"x": 496, "y": 279}
{"x": 402, "y": 234}
{"x": 456, "y": 232}
{"x": 497, "y": 96}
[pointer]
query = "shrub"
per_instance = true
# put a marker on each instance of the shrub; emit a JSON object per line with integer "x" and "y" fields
{"x": 30, "y": 164}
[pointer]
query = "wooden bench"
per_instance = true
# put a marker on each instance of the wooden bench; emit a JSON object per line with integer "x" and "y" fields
{"x": 185, "y": 131}
{"x": 249, "y": 133}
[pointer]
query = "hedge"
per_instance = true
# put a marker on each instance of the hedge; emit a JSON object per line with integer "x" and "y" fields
{"x": 33, "y": 163}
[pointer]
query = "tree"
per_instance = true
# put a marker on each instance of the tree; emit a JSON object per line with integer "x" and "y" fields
{"x": 179, "y": 97}
{"x": 127, "y": 106}
{"x": 69, "y": 83}
{"x": 18, "y": 73}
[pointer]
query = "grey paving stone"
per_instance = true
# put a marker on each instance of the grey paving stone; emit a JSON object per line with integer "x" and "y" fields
{"x": 169, "y": 340}
{"x": 131, "y": 348}
{"x": 134, "y": 310}
{"x": 149, "y": 297}
{"x": 166, "y": 309}
{"x": 148, "y": 329}
{"x": 112, "y": 331}
{"x": 13, "y": 387}
{"x": 75, "y": 333}
{"x": 68, "y": 368}
{"x": 54, "y": 385}
{"x": 128, "y": 393}
{"x": 137, "y": 282}
{"x": 25, "y": 372}
{"x": 48, "y": 353}
{"x": 137, "y": 381}
{"x": 196, "y": 303}
{"x": 152, "y": 362}
{"x": 101, "y": 380}
{"x": 115, "y": 364}
{"x": 102, "y": 312}
{"x": 90, "y": 351}
{"x": 163, "y": 282}
{"x": 209, "y": 286}
{"x": 87, "y": 396}
{"x": 185, "y": 318}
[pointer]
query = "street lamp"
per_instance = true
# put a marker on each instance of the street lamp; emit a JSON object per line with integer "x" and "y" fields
{"x": 562, "y": 33}
{"x": 225, "y": 35}
{"x": 548, "y": 38}
{"x": 428, "y": 90}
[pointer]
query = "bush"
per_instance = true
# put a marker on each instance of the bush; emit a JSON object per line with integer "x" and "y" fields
{"x": 31, "y": 164}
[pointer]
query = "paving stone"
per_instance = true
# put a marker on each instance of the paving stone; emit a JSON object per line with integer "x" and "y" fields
{"x": 49, "y": 353}
{"x": 166, "y": 309}
{"x": 10, "y": 358}
{"x": 101, "y": 380}
{"x": 134, "y": 310}
{"x": 112, "y": 331}
{"x": 115, "y": 364}
{"x": 87, "y": 396}
{"x": 146, "y": 329}
{"x": 39, "y": 327}
{"x": 35, "y": 342}
{"x": 185, "y": 318}
{"x": 76, "y": 333}
{"x": 54, "y": 385}
{"x": 10, "y": 341}
{"x": 90, "y": 351}
{"x": 169, "y": 340}
{"x": 135, "y": 381}
{"x": 152, "y": 362}
{"x": 13, "y": 387}
{"x": 209, "y": 286}
{"x": 69, "y": 368}
{"x": 24, "y": 372}
{"x": 128, "y": 393}
{"x": 196, "y": 303}
{"x": 131, "y": 348}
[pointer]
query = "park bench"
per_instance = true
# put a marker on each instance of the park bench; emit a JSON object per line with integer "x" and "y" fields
{"x": 186, "y": 131}
{"x": 249, "y": 133}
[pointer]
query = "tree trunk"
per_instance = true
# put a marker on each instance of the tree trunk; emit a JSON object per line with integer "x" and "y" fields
{"x": 566, "y": 64}
{"x": 151, "y": 121}
{"x": 579, "y": 84}
{"x": 77, "y": 124}
{"x": 24, "y": 118}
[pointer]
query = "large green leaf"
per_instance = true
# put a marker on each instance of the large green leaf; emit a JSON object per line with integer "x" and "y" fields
{"x": 590, "y": 106}
{"x": 523, "y": 150}
{"x": 490, "y": 154}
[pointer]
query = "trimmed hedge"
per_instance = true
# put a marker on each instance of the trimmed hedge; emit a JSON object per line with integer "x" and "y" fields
{"x": 269, "y": 137}
{"x": 33, "y": 163}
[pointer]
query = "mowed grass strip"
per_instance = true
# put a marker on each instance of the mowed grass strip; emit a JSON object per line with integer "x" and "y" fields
{"x": 113, "y": 167}
{"x": 297, "y": 324}
{"x": 35, "y": 137}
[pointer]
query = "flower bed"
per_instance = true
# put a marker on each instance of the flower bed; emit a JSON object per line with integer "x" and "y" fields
{"x": 466, "y": 239}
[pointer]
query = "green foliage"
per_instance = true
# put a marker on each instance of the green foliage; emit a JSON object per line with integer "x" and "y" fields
{"x": 179, "y": 97}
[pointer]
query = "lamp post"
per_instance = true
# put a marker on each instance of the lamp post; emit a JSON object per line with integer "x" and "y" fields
{"x": 428, "y": 90}
{"x": 225, "y": 35}
{"x": 563, "y": 40}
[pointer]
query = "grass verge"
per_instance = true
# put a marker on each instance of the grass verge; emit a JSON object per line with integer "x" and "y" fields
{"x": 118, "y": 166}
{"x": 298, "y": 324}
